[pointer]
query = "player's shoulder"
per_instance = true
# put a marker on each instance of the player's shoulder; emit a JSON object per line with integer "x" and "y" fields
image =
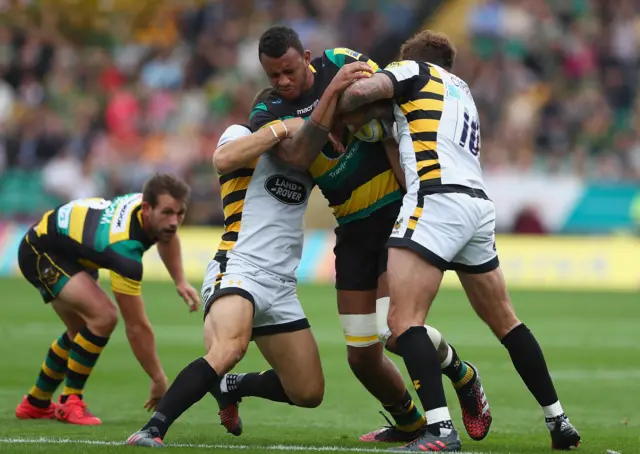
{"x": 270, "y": 108}
{"x": 338, "y": 54}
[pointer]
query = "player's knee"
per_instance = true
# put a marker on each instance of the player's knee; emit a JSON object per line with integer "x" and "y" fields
{"x": 363, "y": 360}
{"x": 104, "y": 323}
{"x": 311, "y": 396}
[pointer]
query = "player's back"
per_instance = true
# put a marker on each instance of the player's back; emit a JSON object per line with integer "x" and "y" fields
{"x": 98, "y": 233}
{"x": 438, "y": 124}
{"x": 264, "y": 209}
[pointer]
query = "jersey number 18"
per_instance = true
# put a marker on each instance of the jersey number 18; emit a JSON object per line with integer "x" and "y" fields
{"x": 470, "y": 137}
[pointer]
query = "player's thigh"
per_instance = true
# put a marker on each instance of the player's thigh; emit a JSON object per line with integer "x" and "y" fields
{"x": 83, "y": 295}
{"x": 296, "y": 359}
{"x": 228, "y": 318}
{"x": 72, "y": 286}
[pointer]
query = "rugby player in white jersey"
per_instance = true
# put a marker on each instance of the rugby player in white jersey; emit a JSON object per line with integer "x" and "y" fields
{"x": 249, "y": 290}
{"x": 447, "y": 222}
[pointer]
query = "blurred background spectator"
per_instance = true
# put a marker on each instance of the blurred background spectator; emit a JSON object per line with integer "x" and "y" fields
{"x": 94, "y": 98}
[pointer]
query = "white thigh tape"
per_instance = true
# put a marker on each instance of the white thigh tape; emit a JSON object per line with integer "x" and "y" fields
{"x": 360, "y": 330}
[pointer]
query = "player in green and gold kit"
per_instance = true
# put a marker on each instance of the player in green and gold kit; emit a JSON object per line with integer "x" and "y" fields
{"x": 61, "y": 255}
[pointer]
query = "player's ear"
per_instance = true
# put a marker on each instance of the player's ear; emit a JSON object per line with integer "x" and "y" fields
{"x": 146, "y": 208}
{"x": 307, "y": 57}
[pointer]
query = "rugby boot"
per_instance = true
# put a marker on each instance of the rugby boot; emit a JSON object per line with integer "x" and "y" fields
{"x": 75, "y": 411}
{"x": 25, "y": 410}
{"x": 390, "y": 434}
{"x": 149, "y": 438}
{"x": 229, "y": 413}
{"x": 563, "y": 435}
{"x": 427, "y": 442}
{"x": 476, "y": 414}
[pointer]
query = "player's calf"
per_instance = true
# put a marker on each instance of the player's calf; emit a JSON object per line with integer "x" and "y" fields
{"x": 487, "y": 293}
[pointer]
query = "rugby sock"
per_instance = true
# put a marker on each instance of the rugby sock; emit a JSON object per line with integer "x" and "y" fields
{"x": 421, "y": 359}
{"x": 191, "y": 385}
{"x": 406, "y": 415}
{"x": 52, "y": 373}
{"x": 266, "y": 385}
{"x": 85, "y": 351}
{"x": 529, "y": 361}
{"x": 457, "y": 371}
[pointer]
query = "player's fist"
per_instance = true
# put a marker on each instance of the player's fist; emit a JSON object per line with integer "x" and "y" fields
{"x": 348, "y": 74}
{"x": 189, "y": 295}
{"x": 159, "y": 387}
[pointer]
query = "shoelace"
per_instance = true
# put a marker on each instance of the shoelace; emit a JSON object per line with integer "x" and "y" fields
{"x": 390, "y": 425}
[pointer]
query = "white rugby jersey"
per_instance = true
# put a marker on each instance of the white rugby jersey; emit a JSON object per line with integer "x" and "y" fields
{"x": 438, "y": 127}
{"x": 264, "y": 207}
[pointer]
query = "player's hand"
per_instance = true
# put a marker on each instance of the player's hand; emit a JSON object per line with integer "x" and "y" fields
{"x": 189, "y": 295}
{"x": 337, "y": 144}
{"x": 348, "y": 74}
{"x": 158, "y": 389}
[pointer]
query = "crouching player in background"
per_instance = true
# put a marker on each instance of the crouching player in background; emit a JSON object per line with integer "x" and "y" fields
{"x": 60, "y": 256}
{"x": 249, "y": 290}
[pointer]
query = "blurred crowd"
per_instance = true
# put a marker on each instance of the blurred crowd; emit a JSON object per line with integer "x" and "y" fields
{"x": 94, "y": 101}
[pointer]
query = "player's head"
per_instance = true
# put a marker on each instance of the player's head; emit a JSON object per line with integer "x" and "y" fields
{"x": 429, "y": 46}
{"x": 285, "y": 61}
{"x": 164, "y": 204}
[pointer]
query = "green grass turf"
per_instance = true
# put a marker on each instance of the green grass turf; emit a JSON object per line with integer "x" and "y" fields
{"x": 590, "y": 341}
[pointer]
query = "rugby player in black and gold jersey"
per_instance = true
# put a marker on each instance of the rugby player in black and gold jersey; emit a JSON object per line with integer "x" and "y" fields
{"x": 60, "y": 256}
{"x": 365, "y": 196}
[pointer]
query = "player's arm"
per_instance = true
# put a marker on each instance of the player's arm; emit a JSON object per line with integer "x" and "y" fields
{"x": 394, "y": 82}
{"x": 238, "y": 147}
{"x": 138, "y": 328}
{"x": 170, "y": 253}
{"x": 301, "y": 150}
{"x": 393, "y": 155}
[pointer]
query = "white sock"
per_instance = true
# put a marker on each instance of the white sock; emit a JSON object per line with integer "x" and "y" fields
{"x": 437, "y": 416}
{"x": 553, "y": 410}
{"x": 223, "y": 384}
{"x": 448, "y": 359}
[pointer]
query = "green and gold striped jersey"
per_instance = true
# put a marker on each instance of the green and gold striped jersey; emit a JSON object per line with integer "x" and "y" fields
{"x": 100, "y": 233}
{"x": 357, "y": 182}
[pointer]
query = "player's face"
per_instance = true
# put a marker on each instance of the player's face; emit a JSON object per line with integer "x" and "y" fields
{"x": 288, "y": 74}
{"x": 165, "y": 218}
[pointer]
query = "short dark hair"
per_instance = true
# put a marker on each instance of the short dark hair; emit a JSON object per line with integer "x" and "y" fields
{"x": 262, "y": 96}
{"x": 429, "y": 46}
{"x": 165, "y": 183}
{"x": 277, "y": 40}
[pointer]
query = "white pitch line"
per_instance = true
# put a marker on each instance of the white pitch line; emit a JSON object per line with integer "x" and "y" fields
{"x": 279, "y": 447}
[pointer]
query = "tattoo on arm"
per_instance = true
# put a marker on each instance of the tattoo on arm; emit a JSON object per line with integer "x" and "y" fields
{"x": 304, "y": 147}
{"x": 365, "y": 91}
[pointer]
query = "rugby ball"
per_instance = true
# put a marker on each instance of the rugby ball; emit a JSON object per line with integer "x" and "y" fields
{"x": 374, "y": 131}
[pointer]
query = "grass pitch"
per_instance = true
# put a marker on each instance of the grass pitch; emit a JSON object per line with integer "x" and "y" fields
{"x": 590, "y": 341}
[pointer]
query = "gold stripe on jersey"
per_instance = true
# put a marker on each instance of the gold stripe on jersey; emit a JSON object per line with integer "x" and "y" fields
{"x": 423, "y": 114}
{"x": 322, "y": 165}
{"x": 233, "y": 190}
{"x": 43, "y": 226}
{"x": 367, "y": 194}
{"x": 76, "y": 222}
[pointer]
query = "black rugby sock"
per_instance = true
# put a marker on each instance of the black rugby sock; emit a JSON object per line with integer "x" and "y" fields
{"x": 189, "y": 387}
{"x": 423, "y": 365}
{"x": 529, "y": 361}
{"x": 266, "y": 385}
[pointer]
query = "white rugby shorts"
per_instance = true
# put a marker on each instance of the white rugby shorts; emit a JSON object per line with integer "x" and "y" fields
{"x": 275, "y": 300}
{"x": 451, "y": 231}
